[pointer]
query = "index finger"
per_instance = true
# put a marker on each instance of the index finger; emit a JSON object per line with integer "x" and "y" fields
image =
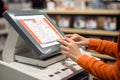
{"x": 68, "y": 35}
{"x": 64, "y": 42}
{"x": 69, "y": 40}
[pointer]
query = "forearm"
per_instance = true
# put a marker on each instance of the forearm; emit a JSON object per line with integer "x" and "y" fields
{"x": 103, "y": 47}
{"x": 96, "y": 67}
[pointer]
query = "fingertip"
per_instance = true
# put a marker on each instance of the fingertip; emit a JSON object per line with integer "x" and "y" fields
{"x": 60, "y": 40}
{"x": 63, "y": 38}
{"x": 57, "y": 40}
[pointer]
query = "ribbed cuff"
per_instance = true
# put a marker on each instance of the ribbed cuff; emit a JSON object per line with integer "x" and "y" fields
{"x": 82, "y": 60}
{"x": 93, "y": 43}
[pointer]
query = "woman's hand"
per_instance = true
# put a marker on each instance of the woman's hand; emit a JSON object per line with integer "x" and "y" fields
{"x": 79, "y": 40}
{"x": 70, "y": 48}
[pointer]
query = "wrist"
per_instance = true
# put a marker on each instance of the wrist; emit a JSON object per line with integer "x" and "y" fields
{"x": 87, "y": 42}
{"x": 77, "y": 57}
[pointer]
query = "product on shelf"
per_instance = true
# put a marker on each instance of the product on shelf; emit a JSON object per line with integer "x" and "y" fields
{"x": 64, "y": 4}
{"x": 79, "y": 22}
{"x": 100, "y": 22}
{"x": 91, "y": 22}
{"x": 64, "y": 21}
{"x": 108, "y": 0}
{"x": 110, "y": 23}
{"x": 80, "y": 4}
{"x": 95, "y": 4}
{"x": 19, "y": 4}
{"x": 68, "y": 4}
{"x": 50, "y": 5}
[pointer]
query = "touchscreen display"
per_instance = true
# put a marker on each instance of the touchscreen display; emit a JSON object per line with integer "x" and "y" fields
{"x": 40, "y": 29}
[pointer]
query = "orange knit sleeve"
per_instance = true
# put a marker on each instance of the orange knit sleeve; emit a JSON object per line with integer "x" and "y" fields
{"x": 98, "y": 68}
{"x": 103, "y": 47}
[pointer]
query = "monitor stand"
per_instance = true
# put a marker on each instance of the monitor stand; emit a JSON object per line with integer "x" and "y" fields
{"x": 16, "y": 49}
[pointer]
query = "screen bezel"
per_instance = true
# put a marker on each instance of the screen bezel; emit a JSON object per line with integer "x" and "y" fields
{"x": 11, "y": 17}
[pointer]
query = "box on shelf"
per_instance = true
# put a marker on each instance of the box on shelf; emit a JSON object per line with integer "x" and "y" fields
{"x": 110, "y": 23}
{"x": 85, "y": 22}
{"x": 79, "y": 22}
{"x": 91, "y": 22}
{"x": 64, "y": 21}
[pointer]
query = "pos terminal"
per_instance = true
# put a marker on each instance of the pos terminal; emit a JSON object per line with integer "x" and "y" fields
{"x": 32, "y": 40}
{"x": 37, "y": 43}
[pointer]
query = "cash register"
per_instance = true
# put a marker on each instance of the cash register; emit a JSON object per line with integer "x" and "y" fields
{"x": 32, "y": 49}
